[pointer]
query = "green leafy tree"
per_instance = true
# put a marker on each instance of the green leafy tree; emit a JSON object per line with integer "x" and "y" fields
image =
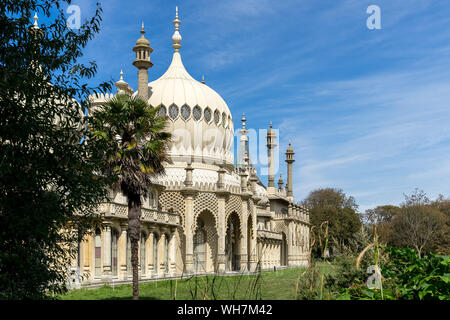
{"x": 419, "y": 225}
{"x": 48, "y": 186}
{"x": 334, "y": 206}
{"x": 442, "y": 244}
{"x": 382, "y": 217}
{"x": 134, "y": 136}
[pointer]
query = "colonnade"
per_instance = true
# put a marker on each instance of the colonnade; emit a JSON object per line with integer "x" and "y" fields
{"x": 106, "y": 255}
{"x": 269, "y": 253}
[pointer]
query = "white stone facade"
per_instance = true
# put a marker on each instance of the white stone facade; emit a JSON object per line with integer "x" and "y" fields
{"x": 205, "y": 215}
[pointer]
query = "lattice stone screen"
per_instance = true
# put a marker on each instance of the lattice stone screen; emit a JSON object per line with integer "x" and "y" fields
{"x": 172, "y": 200}
{"x": 197, "y": 113}
{"x": 185, "y": 112}
{"x": 162, "y": 111}
{"x": 173, "y": 112}
{"x": 216, "y": 117}
{"x": 207, "y": 114}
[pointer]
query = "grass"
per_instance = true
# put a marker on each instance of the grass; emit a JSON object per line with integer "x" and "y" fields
{"x": 276, "y": 285}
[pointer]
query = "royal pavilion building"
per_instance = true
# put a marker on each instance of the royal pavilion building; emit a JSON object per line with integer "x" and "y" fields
{"x": 207, "y": 214}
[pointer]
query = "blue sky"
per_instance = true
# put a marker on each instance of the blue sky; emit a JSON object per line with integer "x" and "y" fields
{"x": 367, "y": 111}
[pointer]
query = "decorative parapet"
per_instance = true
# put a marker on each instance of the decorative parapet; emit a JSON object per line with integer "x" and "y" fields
{"x": 303, "y": 218}
{"x": 266, "y": 234}
{"x": 114, "y": 210}
{"x": 99, "y": 98}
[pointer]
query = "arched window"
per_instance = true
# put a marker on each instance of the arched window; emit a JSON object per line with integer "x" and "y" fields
{"x": 114, "y": 253}
{"x": 142, "y": 259}
{"x": 224, "y": 120}
{"x": 197, "y": 113}
{"x": 98, "y": 253}
{"x": 200, "y": 250}
{"x": 162, "y": 111}
{"x": 207, "y": 115}
{"x": 173, "y": 112}
{"x": 151, "y": 200}
{"x": 185, "y": 112}
{"x": 217, "y": 117}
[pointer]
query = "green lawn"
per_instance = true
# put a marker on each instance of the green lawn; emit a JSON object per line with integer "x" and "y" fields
{"x": 279, "y": 285}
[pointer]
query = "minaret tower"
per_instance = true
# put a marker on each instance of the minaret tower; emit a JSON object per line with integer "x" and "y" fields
{"x": 280, "y": 183}
{"x": 143, "y": 63}
{"x": 270, "y": 150}
{"x": 243, "y": 144}
{"x": 290, "y": 160}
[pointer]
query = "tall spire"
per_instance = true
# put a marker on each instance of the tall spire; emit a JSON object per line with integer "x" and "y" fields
{"x": 122, "y": 86}
{"x": 243, "y": 156}
{"x": 35, "y": 25}
{"x": 176, "y": 37}
{"x": 289, "y": 160}
{"x": 143, "y": 63}
{"x": 270, "y": 154}
{"x": 243, "y": 121}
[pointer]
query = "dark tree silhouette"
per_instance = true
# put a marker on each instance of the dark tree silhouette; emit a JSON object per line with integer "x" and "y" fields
{"x": 137, "y": 145}
{"x": 48, "y": 186}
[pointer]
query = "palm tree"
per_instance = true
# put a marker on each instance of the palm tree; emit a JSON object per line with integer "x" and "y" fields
{"x": 136, "y": 143}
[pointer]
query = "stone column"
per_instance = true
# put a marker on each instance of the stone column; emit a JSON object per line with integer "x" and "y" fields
{"x": 221, "y": 198}
{"x": 161, "y": 253}
{"x": 252, "y": 251}
{"x": 149, "y": 252}
{"x": 264, "y": 249}
{"x": 143, "y": 63}
{"x": 270, "y": 153}
{"x": 290, "y": 246}
{"x": 123, "y": 251}
{"x": 172, "y": 252}
{"x": 151, "y": 267}
{"x": 244, "y": 236}
{"x": 290, "y": 160}
{"x": 86, "y": 255}
{"x": 107, "y": 249}
{"x": 189, "y": 207}
{"x": 272, "y": 256}
{"x": 189, "y": 193}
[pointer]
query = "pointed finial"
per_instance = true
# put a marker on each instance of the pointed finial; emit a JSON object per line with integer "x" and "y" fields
{"x": 121, "y": 74}
{"x": 35, "y": 25}
{"x": 176, "y": 37}
{"x": 203, "y": 79}
{"x": 243, "y": 120}
{"x": 142, "y": 29}
{"x": 270, "y": 124}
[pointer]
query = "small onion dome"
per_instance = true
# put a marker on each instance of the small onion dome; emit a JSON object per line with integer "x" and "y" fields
{"x": 142, "y": 40}
{"x": 271, "y": 132}
{"x": 280, "y": 182}
{"x": 198, "y": 117}
{"x": 290, "y": 154}
{"x": 289, "y": 149}
{"x": 121, "y": 85}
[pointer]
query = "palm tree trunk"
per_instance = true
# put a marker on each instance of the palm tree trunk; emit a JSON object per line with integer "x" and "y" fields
{"x": 134, "y": 229}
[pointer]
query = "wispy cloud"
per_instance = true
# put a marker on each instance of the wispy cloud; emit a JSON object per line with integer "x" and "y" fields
{"x": 365, "y": 110}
